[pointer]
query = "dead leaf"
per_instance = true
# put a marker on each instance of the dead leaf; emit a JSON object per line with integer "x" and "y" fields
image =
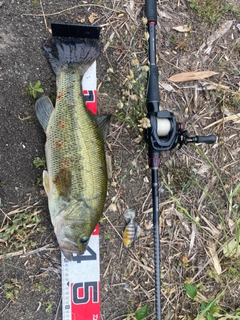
{"x": 112, "y": 207}
{"x": 80, "y": 19}
{"x": 214, "y": 256}
{"x": 184, "y": 28}
{"x": 216, "y": 232}
{"x": 109, "y": 41}
{"x": 166, "y": 86}
{"x": 184, "y": 260}
{"x": 148, "y": 224}
{"x": 93, "y": 16}
{"x": 190, "y": 76}
{"x": 231, "y": 249}
{"x": 203, "y": 170}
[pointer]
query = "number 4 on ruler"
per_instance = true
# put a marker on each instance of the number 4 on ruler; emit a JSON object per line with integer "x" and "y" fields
{"x": 92, "y": 256}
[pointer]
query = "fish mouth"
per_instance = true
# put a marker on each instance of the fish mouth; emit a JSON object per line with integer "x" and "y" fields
{"x": 68, "y": 247}
{"x": 68, "y": 254}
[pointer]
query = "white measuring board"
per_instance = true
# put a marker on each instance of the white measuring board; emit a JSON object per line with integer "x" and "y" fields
{"x": 81, "y": 276}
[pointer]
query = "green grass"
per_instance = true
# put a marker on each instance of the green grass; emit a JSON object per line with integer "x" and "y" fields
{"x": 212, "y": 10}
{"x": 49, "y": 307}
{"x": 40, "y": 162}
{"x": 34, "y": 88}
{"x": 211, "y": 309}
{"x": 221, "y": 199}
{"x": 19, "y": 228}
{"x": 11, "y": 289}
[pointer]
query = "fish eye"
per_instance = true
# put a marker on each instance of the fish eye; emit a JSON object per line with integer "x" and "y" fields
{"x": 84, "y": 240}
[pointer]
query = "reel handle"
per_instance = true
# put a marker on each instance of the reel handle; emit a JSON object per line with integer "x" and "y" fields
{"x": 202, "y": 139}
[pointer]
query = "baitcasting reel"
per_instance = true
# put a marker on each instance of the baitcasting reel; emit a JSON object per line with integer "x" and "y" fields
{"x": 165, "y": 133}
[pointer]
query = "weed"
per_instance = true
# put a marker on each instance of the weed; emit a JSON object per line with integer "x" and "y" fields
{"x": 180, "y": 177}
{"x": 11, "y": 289}
{"x": 212, "y": 10}
{"x": 132, "y": 106}
{"x": 34, "y": 89}
{"x": 141, "y": 313}
{"x": 40, "y": 162}
{"x": 107, "y": 235}
{"x": 48, "y": 308}
{"x": 209, "y": 310}
{"x": 36, "y": 4}
{"x": 48, "y": 291}
{"x": 180, "y": 44}
{"x": 39, "y": 286}
{"x": 17, "y": 231}
{"x": 236, "y": 102}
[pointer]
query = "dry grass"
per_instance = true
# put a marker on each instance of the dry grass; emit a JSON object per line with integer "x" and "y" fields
{"x": 197, "y": 218}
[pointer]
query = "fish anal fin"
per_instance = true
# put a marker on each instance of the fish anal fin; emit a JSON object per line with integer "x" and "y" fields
{"x": 44, "y": 109}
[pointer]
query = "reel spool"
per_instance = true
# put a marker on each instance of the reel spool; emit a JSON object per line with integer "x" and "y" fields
{"x": 165, "y": 133}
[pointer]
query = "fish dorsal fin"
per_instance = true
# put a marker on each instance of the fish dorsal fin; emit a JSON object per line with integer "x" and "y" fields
{"x": 46, "y": 183}
{"x": 103, "y": 123}
{"x": 44, "y": 109}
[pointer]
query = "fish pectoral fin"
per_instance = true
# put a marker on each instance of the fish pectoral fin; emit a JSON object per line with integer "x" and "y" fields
{"x": 46, "y": 182}
{"x": 44, "y": 109}
{"x": 103, "y": 123}
{"x": 138, "y": 230}
{"x": 63, "y": 182}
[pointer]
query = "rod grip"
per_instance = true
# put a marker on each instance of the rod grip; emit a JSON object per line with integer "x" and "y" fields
{"x": 151, "y": 10}
{"x": 206, "y": 139}
{"x": 153, "y": 90}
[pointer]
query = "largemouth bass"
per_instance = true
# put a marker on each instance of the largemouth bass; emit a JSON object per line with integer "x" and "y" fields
{"x": 76, "y": 180}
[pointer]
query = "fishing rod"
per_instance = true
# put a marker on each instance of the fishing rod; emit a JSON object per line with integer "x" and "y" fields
{"x": 163, "y": 134}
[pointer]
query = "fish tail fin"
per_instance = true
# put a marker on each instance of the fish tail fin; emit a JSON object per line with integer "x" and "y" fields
{"x": 65, "y": 52}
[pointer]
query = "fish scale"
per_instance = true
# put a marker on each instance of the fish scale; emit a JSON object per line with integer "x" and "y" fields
{"x": 81, "y": 145}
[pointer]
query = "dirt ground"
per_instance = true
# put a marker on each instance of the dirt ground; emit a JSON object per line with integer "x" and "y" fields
{"x": 199, "y": 193}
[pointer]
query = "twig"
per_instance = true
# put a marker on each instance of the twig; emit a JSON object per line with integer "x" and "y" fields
{"x": 142, "y": 265}
{"x": 5, "y": 307}
{"x": 233, "y": 117}
{"x": 113, "y": 226}
{"x": 24, "y": 254}
{"x": 72, "y": 8}
{"x": 38, "y": 250}
{"x": 106, "y": 271}
{"x": 11, "y": 254}
{"x": 58, "y": 307}
{"x": 44, "y": 17}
